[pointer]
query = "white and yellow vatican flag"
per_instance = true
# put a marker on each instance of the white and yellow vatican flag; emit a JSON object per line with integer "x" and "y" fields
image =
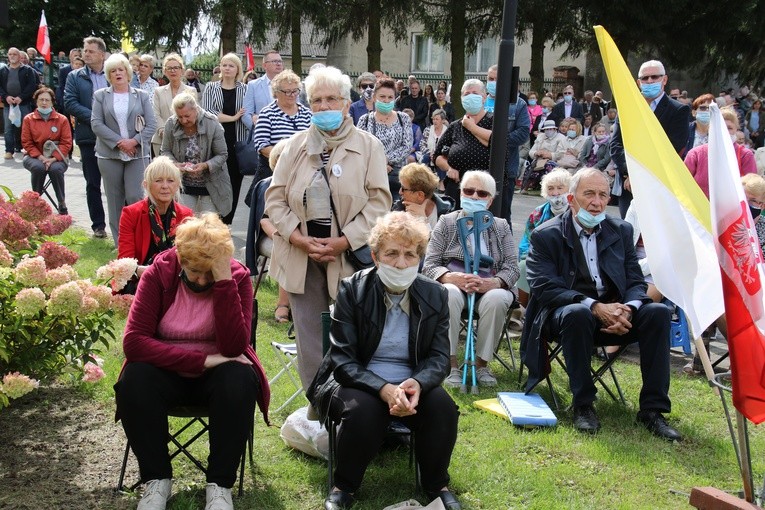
{"x": 674, "y": 214}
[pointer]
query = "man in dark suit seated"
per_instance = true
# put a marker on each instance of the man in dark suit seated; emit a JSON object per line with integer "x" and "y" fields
{"x": 587, "y": 289}
{"x": 672, "y": 115}
{"x": 567, "y": 108}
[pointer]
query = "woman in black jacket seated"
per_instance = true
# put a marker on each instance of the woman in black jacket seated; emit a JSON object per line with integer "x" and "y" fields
{"x": 388, "y": 358}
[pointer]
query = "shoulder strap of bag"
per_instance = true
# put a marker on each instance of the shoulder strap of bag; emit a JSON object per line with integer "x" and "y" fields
{"x": 323, "y": 171}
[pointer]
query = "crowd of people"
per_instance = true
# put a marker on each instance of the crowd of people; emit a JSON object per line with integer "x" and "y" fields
{"x": 333, "y": 160}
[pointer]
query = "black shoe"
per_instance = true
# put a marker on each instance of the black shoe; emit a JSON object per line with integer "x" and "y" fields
{"x": 99, "y": 233}
{"x": 339, "y": 500}
{"x": 447, "y": 498}
{"x": 585, "y": 419}
{"x": 656, "y": 424}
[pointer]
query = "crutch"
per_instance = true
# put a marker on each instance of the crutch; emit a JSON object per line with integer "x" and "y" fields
{"x": 466, "y": 226}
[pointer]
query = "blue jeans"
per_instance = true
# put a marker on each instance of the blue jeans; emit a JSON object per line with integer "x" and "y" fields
{"x": 12, "y": 134}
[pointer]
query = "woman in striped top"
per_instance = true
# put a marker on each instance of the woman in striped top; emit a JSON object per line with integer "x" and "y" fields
{"x": 225, "y": 98}
{"x": 281, "y": 119}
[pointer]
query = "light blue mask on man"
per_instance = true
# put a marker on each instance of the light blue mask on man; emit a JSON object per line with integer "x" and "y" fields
{"x": 491, "y": 87}
{"x": 650, "y": 90}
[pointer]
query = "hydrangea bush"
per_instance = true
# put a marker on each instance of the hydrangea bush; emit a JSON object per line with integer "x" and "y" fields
{"x": 51, "y": 320}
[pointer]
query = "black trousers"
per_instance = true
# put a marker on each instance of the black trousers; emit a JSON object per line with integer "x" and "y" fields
{"x": 93, "y": 186}
{"x": 236, "y": 182}
{"x": 578, "y": 331}
{"x": 364, "y": 421}
{"x": 145, "y": 393}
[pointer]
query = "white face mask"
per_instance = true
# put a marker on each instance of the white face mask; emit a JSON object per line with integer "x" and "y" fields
{"x": 558, "y": 204}
{"x": 396, "y": 280}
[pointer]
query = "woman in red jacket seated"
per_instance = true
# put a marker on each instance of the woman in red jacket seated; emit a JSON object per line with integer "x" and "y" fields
{"x": 43, "y": 125}
{"x": 147, "y": 228}
{"x": 187, "y": 342}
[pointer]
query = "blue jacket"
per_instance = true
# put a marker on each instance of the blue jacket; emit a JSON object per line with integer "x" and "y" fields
{"x": 78, "y": 101}
{"x": 518, "y": 128}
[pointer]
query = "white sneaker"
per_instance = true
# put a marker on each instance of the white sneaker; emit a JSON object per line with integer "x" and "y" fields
{"x": 454, "y": 379}
{"x": 155, "y": 494}
{"x": 218, "y": 498}
{"x": 484, "y": 377}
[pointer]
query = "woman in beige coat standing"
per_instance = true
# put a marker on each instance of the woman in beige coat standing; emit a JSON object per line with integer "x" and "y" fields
{"x": 332, "y": 160}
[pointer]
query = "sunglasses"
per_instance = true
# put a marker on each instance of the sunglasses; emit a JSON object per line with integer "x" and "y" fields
{"x": 367, "y": 86}
{"x": 653, "y": 77}
{"x": 469, "y": 192}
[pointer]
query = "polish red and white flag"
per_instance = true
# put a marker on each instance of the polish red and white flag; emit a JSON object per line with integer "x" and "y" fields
{"x": 741, "y": 266}
{"x": 43, "y": 41}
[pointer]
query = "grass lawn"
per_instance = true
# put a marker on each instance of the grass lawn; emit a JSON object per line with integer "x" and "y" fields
{"x": 494, "y": 465}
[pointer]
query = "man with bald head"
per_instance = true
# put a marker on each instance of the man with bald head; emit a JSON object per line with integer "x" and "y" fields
{"x": 587, "y": 289}
{"x": 17, "y": 84}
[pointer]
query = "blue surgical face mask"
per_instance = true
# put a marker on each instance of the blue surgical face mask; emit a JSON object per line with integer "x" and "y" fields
{"x": 571, "y": 133}
{"x": 327, "y": 120}
{"x": 587, "y": 219}
{"x": 472, "y": 103}
{"x": 532, "y": 102}
{"x": 568, "y": 99}
{"x": 44, "y": 111}
{"x": 650, "y": 90}
{"x": 545, "y": 110}
{"x": 491, "y": 87}
{"x": 702, "y": 117}
{"x": 384, "y": 107}
{"x": 473, "y": 205}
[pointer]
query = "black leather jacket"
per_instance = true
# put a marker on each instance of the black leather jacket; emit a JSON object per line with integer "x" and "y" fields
{"x": 357, "y": 325}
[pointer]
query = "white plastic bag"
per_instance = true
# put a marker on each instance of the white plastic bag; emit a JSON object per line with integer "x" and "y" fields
{"x": 306, "y": 435}
{"x": 14, "y": 115}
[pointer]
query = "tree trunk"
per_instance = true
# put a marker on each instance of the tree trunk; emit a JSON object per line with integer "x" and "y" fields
{"x": 229, "y": 27}
{"x": 297, "y": 54}
{"x": 537, "y": 69}
{"x": 374, "y": 36}
{"x": 457, "y": 43}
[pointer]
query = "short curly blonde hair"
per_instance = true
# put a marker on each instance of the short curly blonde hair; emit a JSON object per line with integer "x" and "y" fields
{"x": 754, "y": 184}
{"x": 202, "y": 240}
{"x": 283, "y": 78}
{"x": 401, "y": 227}
{"x": 420, "y": 178}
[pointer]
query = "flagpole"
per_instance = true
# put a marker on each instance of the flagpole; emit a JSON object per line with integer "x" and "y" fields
{"x": 746, "y": 460}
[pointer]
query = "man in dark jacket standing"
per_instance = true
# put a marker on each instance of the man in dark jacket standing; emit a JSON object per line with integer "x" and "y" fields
{"x": 17, "y": 84}
{"x": 78, "y": 99}
{"x": 63, "y": 73}
{"x": 587, "y": 289}
{"x": 417, "y": 102}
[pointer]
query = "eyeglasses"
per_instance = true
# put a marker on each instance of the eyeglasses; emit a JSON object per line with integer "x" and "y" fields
{"x": 367, "y": 86}
{"x": 653, "y": 77}
{"x": 277, "y": 62}
{"x": 469, "y": 192}
{"x": 568, "y": 93}
{"x": 674, "y": 97}
{"x": 409, "y": 190}
{"x": 293, "y": 92}
{"x": 173, "y": 68}
{"x": 703, "y": 108}
{"x": 332, "y": 101}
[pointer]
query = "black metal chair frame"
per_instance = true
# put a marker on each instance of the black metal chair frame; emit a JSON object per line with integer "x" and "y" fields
{"x": 331, "y": 426}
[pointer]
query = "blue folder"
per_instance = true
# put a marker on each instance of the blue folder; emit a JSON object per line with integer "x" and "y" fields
{"x": 527, "y": 410}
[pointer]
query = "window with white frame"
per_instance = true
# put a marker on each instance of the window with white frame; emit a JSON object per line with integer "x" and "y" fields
{"x": 484, "y": 56}
{"x": 427, "y": 55}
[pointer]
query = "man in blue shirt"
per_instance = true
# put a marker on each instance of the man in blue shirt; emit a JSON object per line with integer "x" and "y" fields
{"x": 518, "y": 129}
{"x": 78, "y": 99}
{"x": 259, "y": 91}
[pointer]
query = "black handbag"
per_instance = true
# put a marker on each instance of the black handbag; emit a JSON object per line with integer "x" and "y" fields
{"x": 247, "y": 155}
{"x": 360, "y": 258}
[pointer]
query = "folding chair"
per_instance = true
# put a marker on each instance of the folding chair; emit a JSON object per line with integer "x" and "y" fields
{"x": 198, "y": 416}
{"x": 287, "y": 356}
{"x": 504, "y": 337}
{"x": 395, "y": 429}
{"x": 48, "y": 184}
{"x": 555, "y": 352}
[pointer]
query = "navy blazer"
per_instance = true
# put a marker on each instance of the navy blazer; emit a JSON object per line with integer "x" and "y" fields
{"x": 558, "y": 112}
{"x": 673, "y": 117}
{"x": 551, "y": 271}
